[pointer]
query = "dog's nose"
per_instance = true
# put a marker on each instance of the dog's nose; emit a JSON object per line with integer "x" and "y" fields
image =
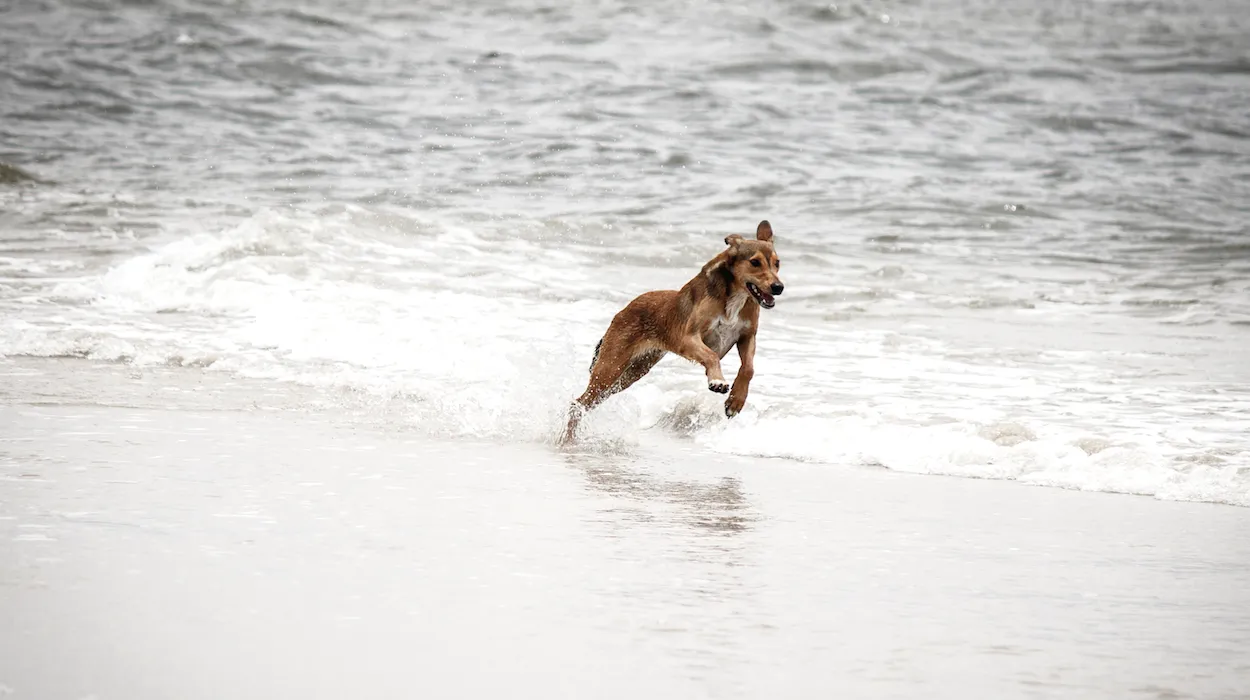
{"x": 777, "y": 288}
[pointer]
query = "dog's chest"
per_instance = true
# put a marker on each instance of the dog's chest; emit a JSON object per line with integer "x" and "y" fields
{"x": 726, "y": 330}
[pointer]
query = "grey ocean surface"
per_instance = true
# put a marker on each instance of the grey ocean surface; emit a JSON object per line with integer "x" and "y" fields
{"x": 254, "y": 250}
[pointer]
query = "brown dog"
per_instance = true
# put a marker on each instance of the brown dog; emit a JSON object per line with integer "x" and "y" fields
{"x": 700, "y": 323}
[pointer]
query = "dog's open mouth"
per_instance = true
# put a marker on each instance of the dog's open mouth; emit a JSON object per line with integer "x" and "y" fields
{"x": 765, "y": 299}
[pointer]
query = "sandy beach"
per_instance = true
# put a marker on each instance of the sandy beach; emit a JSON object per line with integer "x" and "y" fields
{"x": 265, "y": 552}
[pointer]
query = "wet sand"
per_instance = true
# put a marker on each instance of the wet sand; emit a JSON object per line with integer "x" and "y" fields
{"x": 157, "y": 552}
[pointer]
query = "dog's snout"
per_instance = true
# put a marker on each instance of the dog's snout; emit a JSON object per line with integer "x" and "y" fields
{"x": 777, "y": 288}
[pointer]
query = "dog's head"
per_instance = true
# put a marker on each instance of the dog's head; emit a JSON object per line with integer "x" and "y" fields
{"x": 754, "y": 266}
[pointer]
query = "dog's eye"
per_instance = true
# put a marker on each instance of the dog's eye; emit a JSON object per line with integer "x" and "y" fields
{"x": 755, "y": 263}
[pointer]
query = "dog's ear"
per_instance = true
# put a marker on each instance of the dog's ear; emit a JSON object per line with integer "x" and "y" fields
{"x": 721, "y": 264}
{"x": 764, "y": 231}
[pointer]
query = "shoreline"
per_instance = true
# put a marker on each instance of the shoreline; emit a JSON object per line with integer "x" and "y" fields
{"x": 88, "y": 382}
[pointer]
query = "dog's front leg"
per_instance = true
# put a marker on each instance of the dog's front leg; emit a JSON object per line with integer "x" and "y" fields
{"x": 738, "y": 396}
{"x": 694, "y": 349}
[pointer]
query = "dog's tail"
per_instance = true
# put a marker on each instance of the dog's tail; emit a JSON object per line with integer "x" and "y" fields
{"x": 595, "y": 359}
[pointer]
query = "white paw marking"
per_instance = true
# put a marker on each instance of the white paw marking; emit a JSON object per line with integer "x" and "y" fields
{"x": 718, "y": 385}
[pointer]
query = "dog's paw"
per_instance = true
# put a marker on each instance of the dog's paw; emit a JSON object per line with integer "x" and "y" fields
{"x": 720, "y": 386}
{"x": 733, "y": 406}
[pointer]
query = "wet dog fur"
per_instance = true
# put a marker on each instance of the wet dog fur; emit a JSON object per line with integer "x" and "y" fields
{"x": 717, "y": 310}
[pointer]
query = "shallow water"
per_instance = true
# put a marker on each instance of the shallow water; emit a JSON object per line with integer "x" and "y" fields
{"x": 1014, "y": 238}
{"x": 253, "y": 553}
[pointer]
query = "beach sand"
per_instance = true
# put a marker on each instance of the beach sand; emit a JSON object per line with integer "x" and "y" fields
{"x": 152, "y": 547}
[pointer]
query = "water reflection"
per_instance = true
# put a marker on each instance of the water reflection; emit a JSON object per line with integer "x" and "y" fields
{"x": 713, "y": 508}
{"x": 686, "y": 562}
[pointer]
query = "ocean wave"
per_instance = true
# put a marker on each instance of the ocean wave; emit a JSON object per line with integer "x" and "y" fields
{"x": 996, "y": 450}
{"x": 462, "y": 331}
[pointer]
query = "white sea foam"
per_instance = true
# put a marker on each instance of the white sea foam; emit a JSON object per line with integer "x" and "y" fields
{"x": 477, "y": 334}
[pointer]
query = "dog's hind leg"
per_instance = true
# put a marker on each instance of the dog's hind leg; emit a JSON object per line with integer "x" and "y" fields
{"x": 595, "y": 359}
{"x": 637, "y": 369}
{"x": 610, "y": 364}
{"x": 615, "y": 369}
